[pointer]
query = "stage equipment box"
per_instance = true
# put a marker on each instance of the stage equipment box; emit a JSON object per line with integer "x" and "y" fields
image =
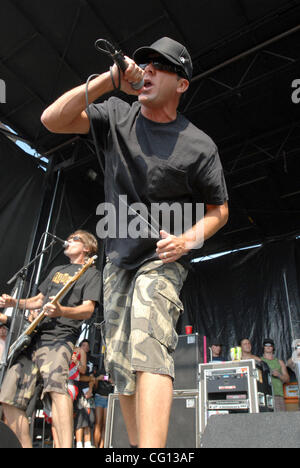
{"x": 234, "y": 387}
{"x": 183, "y": 427}
{"x": 187, "y": 356}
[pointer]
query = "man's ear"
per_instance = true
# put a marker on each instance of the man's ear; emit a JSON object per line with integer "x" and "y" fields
{"x": 183, "y": 85}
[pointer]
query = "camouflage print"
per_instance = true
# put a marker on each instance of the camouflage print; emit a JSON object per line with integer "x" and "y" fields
{"x": 50, "y": 364}
{"x": 141, "y": 309}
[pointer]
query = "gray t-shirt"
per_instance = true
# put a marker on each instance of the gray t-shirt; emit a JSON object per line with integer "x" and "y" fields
{"x": 151, "y": 163}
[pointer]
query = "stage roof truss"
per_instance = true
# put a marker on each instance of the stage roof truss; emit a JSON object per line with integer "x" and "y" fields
{"x": 245, "y": 57}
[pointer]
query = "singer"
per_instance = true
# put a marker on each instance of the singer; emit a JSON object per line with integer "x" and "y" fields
{"x": 49, "y": 355}
{"x": 153, "y": 154}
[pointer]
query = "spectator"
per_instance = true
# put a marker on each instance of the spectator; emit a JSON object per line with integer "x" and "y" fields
{"x": 279, "y": 373}
{"x": 216, "y": 351}
{"x": 246, "y": 346}
{"x": 84, "y": 405}
{"x": 103, "y": 387}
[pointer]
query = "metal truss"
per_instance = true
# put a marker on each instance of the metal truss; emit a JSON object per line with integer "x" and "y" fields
{"x": 271, "y": 146}
{"x": 240, "y": 80}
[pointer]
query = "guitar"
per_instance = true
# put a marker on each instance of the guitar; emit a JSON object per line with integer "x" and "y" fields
{"x": 24, "y": 340}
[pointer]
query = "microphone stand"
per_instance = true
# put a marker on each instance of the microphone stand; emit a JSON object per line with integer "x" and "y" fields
{"x": 20, "y": 278}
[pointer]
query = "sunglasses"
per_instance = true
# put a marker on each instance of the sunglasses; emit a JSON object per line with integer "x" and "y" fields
{"x": 75, "y": 239}
{"x": 161, "y": 65}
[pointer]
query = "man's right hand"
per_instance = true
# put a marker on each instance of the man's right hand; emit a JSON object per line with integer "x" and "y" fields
{"x": 132, "y": 74}
{"x": 7, "y": 301}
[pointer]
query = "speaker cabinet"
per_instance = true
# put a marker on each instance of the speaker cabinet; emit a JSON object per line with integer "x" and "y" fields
{"x": 187, "y": 356}
{"x": 183, "y": 427}
{"x": 262, "y": 430}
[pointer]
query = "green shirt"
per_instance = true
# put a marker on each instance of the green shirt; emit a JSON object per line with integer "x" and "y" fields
{"x": 274, "y": 364}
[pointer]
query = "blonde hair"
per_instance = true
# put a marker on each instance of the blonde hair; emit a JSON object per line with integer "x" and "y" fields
{"x": 89, "y": 241}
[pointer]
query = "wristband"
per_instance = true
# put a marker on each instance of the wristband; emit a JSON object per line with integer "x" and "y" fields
{"x": 116, "y": 88}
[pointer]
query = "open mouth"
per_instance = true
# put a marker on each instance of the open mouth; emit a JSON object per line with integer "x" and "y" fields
{"x": 147, "y": 84}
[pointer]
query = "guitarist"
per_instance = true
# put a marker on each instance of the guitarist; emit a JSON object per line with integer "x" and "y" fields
{"x": 49, "y": 355}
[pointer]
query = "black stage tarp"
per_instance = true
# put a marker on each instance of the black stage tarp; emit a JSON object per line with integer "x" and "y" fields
{"x": 21, "y": 195}
{"x": 247, "y": 294}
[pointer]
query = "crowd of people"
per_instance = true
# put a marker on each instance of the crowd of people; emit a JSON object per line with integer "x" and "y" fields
{"x": 278, "y": 369}
{"x": 89, "y": 387}
{"x": 90, "y": 405}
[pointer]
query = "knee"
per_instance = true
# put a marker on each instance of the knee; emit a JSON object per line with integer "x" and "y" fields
{"x": 59, "y": 398}
{"x": 7, "y": 410}
{"x": 54, "y": 396}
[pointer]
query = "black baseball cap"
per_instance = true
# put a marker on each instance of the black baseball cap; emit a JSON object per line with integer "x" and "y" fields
{"x": 171, "y": 50}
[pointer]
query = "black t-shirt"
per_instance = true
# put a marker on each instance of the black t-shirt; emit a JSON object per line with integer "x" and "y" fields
{"x": 86, "y": 288}
{"x": 148, "y": 162}
{"x": 103, "y": 388}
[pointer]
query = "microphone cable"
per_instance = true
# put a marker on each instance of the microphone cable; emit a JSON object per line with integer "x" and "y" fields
{"x": 117, "y": 56}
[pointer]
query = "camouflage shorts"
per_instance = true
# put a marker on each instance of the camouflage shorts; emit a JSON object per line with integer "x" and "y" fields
{"x": 141, "y": 309}
{"x": 50, "y": 364}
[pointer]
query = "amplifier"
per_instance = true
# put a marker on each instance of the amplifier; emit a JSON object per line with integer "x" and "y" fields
{"x": 233, "y": 387}
{"x": 183, "y": 427}
{"x": 227, "y": 380}
{"x": 227, "y": 404}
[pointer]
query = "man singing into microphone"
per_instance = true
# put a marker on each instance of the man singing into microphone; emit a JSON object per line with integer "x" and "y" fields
{"x": 152, "y": 155}
{"x": 49, "y": 355}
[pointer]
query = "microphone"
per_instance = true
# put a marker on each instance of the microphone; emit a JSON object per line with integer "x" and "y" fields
{"x": 58, "y": 239}
{"x": 118, "y": 58}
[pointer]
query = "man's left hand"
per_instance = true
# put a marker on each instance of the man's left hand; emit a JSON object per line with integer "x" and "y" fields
{"x": 53, "y": 310}
{"x": 170, "y": 248}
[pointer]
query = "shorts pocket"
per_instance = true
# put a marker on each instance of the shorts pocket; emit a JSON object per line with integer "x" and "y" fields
{"x": 165, "y": 312}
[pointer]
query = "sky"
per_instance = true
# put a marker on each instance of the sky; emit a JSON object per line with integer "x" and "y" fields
{"x": 27, "y": 148}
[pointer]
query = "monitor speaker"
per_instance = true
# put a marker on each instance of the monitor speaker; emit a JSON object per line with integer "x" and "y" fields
{"x": 183, "y": 427}
{"x": 262, "y": 430}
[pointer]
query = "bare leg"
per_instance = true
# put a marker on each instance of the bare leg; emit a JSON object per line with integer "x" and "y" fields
{"x": 154, "y": 399}
{"x": 79, "y": 435}
{"x": 87, "y": 436}
{"x": 17, "y": 421}
{"x": 147, "y": 413}
{"x": 128, "y": 407}
{"x": 103, "y": 429}
{"x": 98, "y": 426}
{"x": 62, "y": 415}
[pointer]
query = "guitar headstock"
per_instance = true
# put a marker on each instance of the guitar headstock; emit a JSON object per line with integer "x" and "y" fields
{"x": 92, "y": 260}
